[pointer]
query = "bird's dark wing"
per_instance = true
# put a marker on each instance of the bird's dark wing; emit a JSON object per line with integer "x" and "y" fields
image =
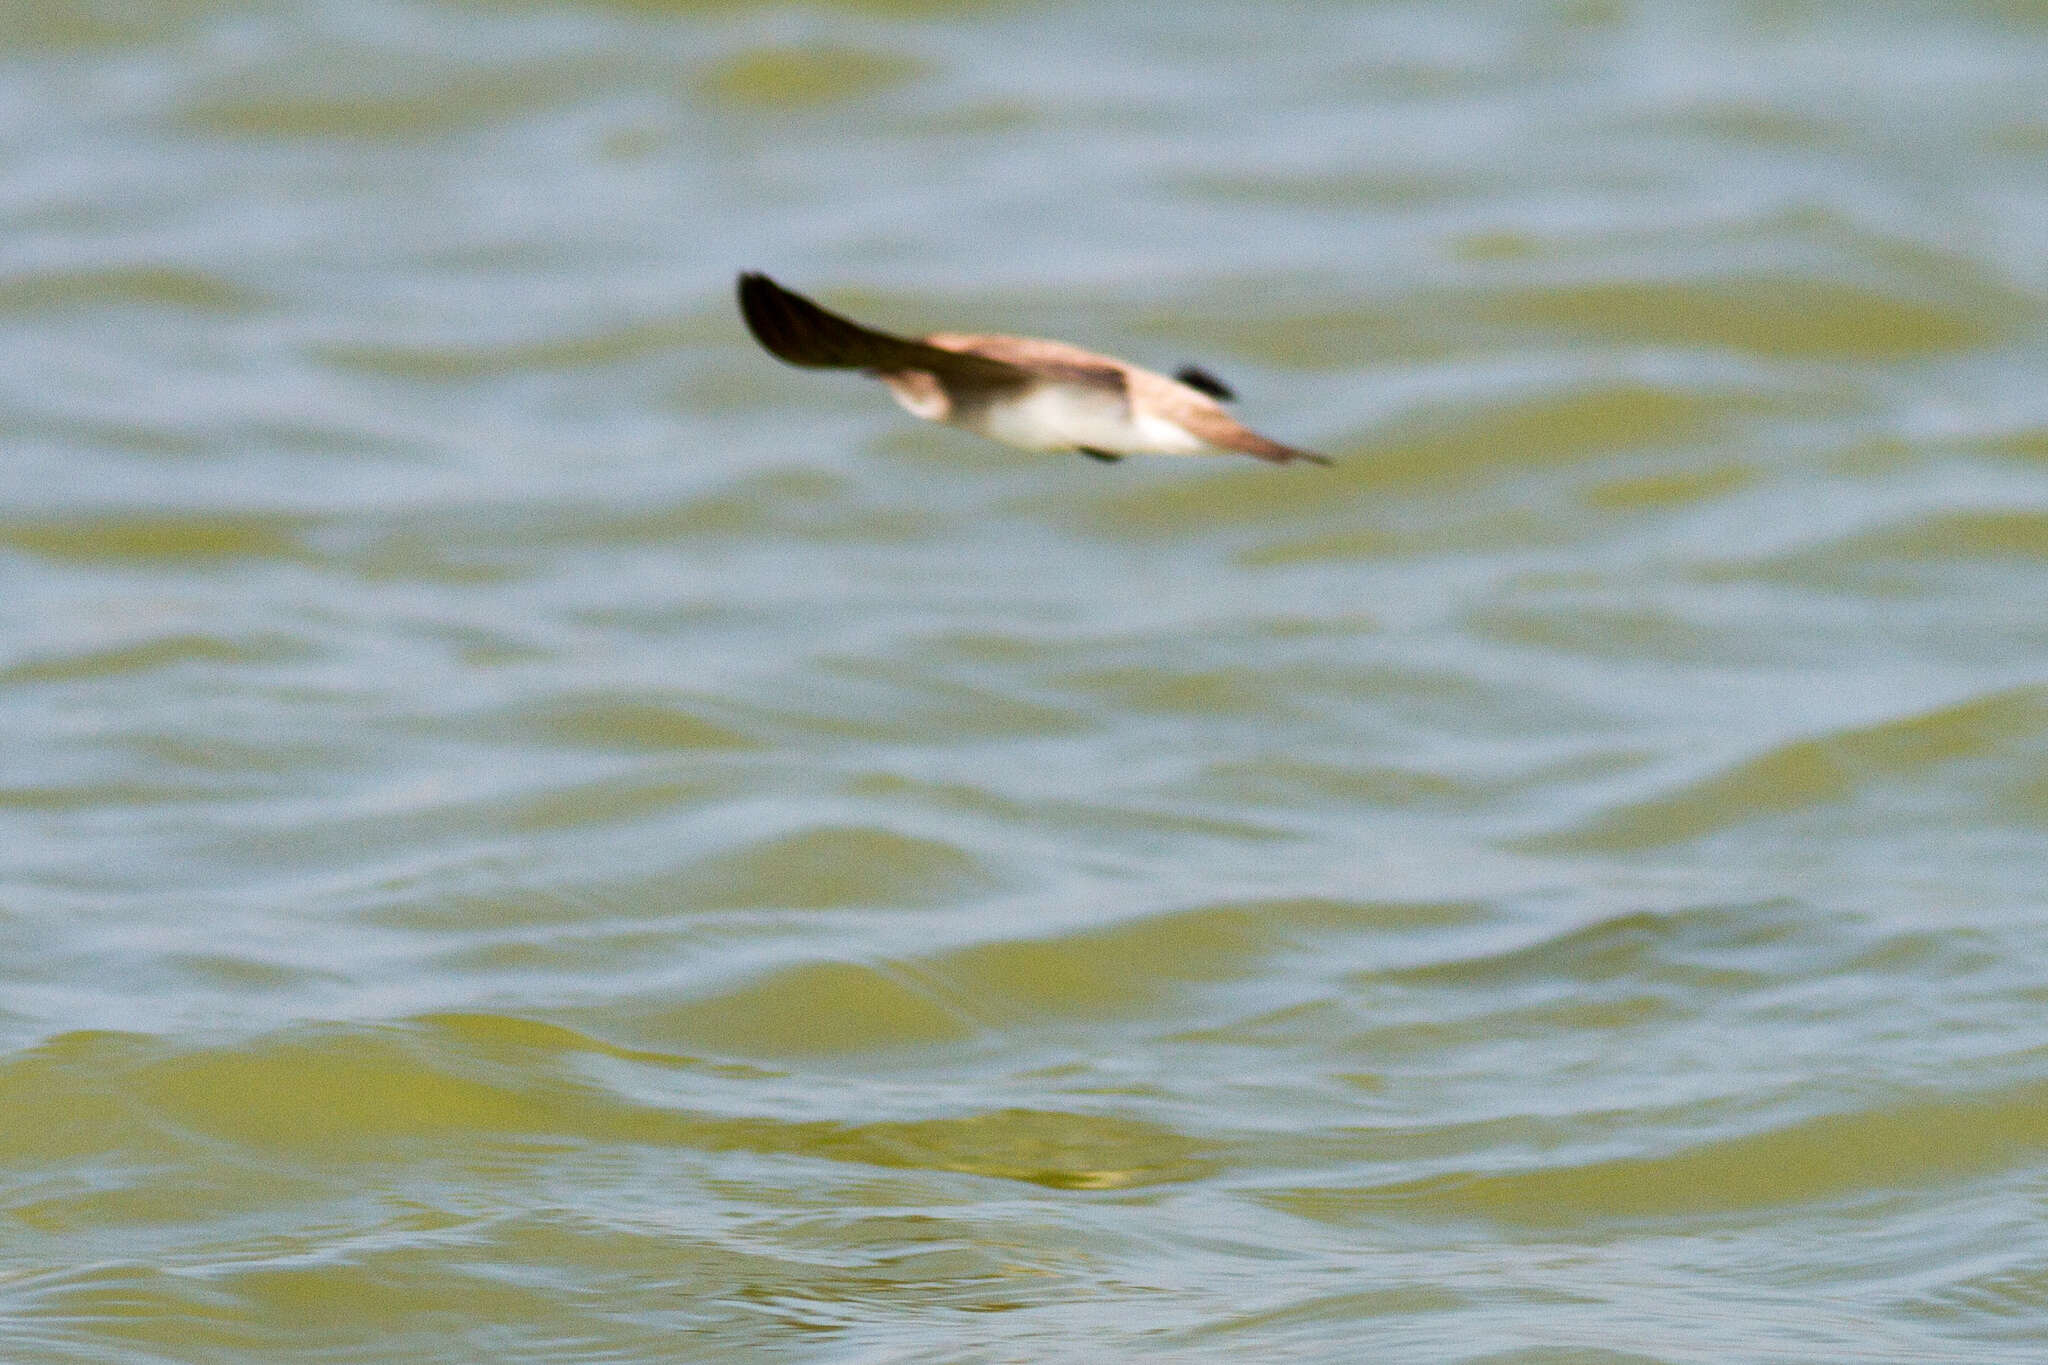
{"x": 794, "y": 330}
{"x": 1201, "y": 381}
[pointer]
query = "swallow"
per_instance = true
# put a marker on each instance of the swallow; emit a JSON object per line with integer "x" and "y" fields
{"x": 1022, "y": 391}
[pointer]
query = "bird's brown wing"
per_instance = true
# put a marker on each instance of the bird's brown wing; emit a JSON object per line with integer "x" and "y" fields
{"x": 1053, "y": 361}
{"x": 794, "y": 330}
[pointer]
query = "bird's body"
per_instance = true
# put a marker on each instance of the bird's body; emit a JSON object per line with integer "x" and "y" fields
{"x": 1021, "y": 391}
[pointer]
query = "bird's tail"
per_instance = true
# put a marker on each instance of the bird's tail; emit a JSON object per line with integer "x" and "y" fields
{"x": 1225, "y": 432}
{"x": 1276, "y": 453}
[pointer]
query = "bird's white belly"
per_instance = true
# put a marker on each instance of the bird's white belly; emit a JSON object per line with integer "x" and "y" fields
{"x": 1070, "y": 416}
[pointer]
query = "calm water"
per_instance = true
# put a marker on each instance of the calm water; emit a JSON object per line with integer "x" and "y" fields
{"x": 530, "y": 832}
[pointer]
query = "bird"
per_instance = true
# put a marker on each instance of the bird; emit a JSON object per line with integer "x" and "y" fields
{"x": 1022, "y": 391}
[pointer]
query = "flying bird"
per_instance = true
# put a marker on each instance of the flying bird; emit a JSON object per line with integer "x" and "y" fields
{"x": 1039, "y": 395}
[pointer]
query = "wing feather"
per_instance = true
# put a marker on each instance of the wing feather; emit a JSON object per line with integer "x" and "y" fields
{"x": 798, "y": 332}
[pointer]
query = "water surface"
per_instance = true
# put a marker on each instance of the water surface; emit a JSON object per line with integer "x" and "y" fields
{"x": 530, "y": 832}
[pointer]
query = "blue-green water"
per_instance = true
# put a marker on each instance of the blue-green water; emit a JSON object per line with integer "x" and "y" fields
{"x": 530, "y": 832}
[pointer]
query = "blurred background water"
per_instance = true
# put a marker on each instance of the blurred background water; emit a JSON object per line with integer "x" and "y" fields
{"x": 529, "y": 831}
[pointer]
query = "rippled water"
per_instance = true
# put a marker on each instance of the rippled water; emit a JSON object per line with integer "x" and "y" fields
{"x": 529, "y": 831}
